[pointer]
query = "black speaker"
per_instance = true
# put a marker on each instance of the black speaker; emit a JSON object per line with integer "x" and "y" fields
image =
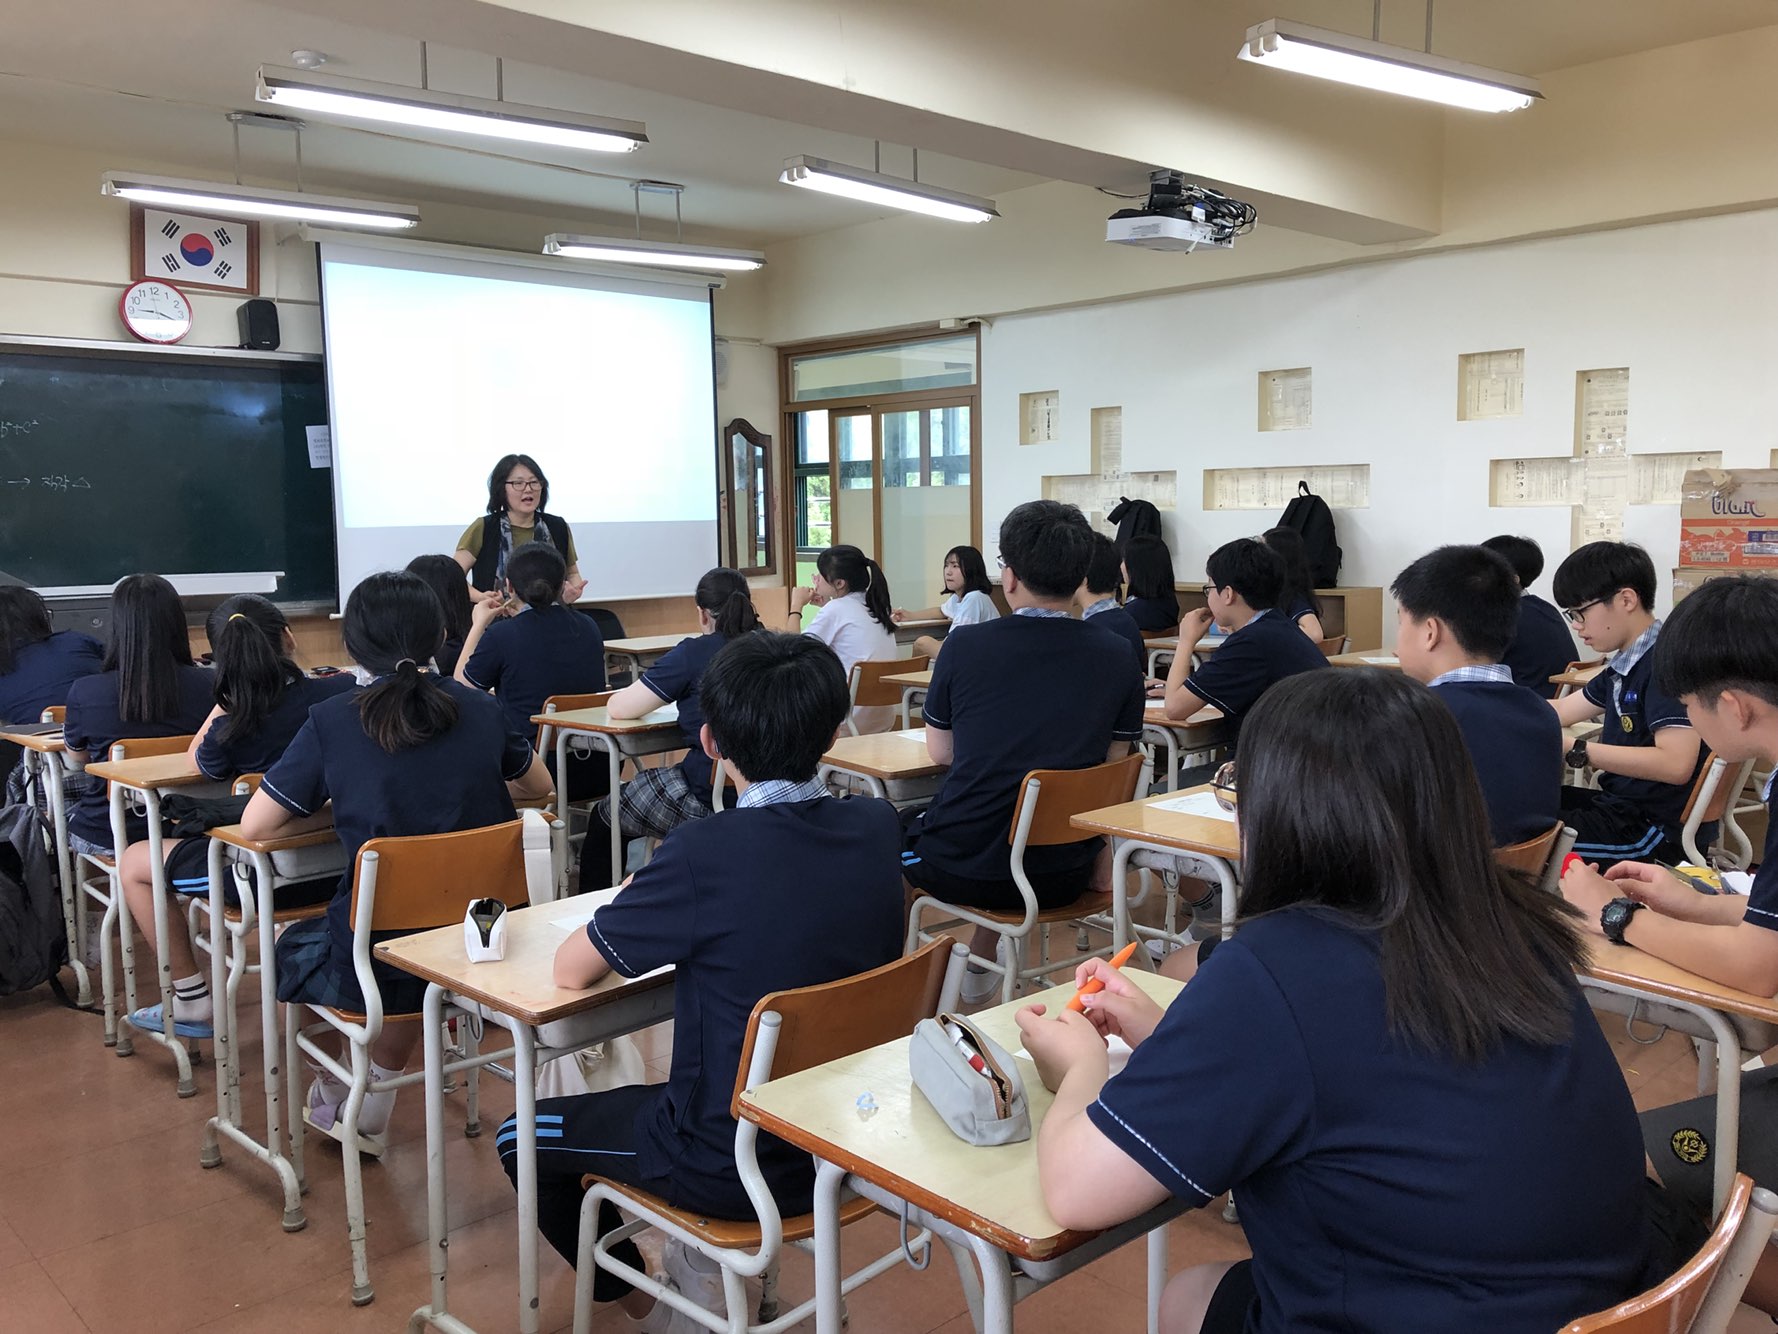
{"x": 259, "y": 325}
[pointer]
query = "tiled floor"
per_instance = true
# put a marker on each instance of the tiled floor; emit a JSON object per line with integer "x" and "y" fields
{"x": 108, "y": 1224}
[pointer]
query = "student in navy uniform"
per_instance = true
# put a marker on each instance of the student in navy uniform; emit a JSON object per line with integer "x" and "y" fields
{"x": 1297, "y": 602}
{"x": 740, "y": 904}
{"x": 1034, "y": 690}
{"x": 546, "y": 648}
{"x": 149, "y": 688}
{"x": 38, "y": 664}
{"x": 1390, "y": 1063}
{"x": 1153, "y": 602}
{"x": 1457, "y": 609}
{"x": 445, "y": 578}
{"x": 1648, "y": 755}
{"x": 408, "y": 754}
{"x": 262, "y": 698}
{"x": 1541, "y": 647}
{"x": 656, "y": 801}
{"x": 1097, "y": 599}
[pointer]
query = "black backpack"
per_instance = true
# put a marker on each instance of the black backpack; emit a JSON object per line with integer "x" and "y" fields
{"x": 1134, "y": 518}
{"x": 33, "y": 942}
{"x": 1309, "y": 515}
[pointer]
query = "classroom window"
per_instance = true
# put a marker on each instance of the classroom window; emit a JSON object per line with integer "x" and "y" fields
{"x": 811, "y": 491}
{"x": 904, "y": 456}
{"x": 893, "y": 368}
{"x": 949, "y": 458}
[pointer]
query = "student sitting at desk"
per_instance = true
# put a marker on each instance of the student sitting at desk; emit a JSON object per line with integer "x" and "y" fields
{"x": 1457, "y": 609}
{"x": 1034, "y": 690}
{"x": 856, "y": 619}
{"x": 1648, "y": 755}
{"x": 1297, "y": 602}
{"x": 1097, "y": 599}
{"x": 968, "y": 599}
{"x": 37, "y": 664}
{"x": 1390, "y": 1063}
{"x": 1542, "y": 647}
{"x": 445, "y": 578}
{"x": 408, "y": 754}
{"x": 657, "y": 801}
{"x": 1148, "y": 573}
{"x": 546, "y": 648}
{"x": 790, "y": 888}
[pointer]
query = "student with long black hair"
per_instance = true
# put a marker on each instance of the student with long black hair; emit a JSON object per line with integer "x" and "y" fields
{"x": 1297, "y": 602}
{"x": 262, "y": 698}
{"x": 445, "y": 578}
{"x": 409, "y": 754}
{"x": 969, "y": 599}
{"x": 856, "y": 620}
{"x": 37, "y": 662}
{"x": 1153, "y": 599}
{"x": 1390, "y": 1062}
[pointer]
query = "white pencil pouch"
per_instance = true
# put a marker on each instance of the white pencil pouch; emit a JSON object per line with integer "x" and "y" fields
{"x": 970, "y": 1080}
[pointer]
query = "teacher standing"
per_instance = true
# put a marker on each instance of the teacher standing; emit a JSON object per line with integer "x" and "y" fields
{"x": 518, "y": 504}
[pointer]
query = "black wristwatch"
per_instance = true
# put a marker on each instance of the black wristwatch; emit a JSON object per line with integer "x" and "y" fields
{"x": 1615, "y": 916}
{"x": 1577, "y": 756}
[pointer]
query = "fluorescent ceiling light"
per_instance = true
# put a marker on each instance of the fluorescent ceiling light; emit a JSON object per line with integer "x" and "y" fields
{"x": 251, "y": 202}
{"x": 1387, "y": 69}
{"x": 452, "y": 113}
{"x": 872, "y": 187}
{"x": 666, "y": 254}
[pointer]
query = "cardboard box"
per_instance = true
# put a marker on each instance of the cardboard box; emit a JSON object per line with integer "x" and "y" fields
{"x": 1728, "y": 519}
{"x": 1689, "y": 579}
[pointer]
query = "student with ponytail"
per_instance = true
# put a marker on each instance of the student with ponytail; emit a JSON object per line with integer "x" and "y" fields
{"x": 408, "y": 754}
{"x": 657, "y": 800}
{"x": 262, "y": 698}
{"x": 856, "y": 620}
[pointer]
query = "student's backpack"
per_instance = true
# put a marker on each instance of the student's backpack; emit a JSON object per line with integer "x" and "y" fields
{"x": 33, "y": 943}
{"x": 1309, "y": 515}
{"x": 1134, "y": 518}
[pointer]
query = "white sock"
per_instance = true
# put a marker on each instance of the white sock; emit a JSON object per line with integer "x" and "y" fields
{"x": 373, "y": 1119}
{"x": 191, "y": 998}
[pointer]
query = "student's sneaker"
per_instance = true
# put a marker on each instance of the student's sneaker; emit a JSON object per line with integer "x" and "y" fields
{"x": 980, "y": 985}
{"x": 703, "y": 1286}
{"x": 149, "y": 1020}
{"x": 665, "y": 1318}
{"x": 320, "y": 1114}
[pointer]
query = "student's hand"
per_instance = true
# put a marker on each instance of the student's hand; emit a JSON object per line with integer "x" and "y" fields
{"x": 486, "y": 612}
{"x": 1058, "y": 1045}
{"x": 1661, "y": 890}
{"x": 1589, "y": 891}
{"x": 1195, "y": 626}
{"x": 1155, "y": 687}
{"x": 801, "y": 597}
{"x": 572, "y": 589}
{"x": 493, "y": 595}
{"x": 1122, "y": 1009}
{"x": 899, "y": 614}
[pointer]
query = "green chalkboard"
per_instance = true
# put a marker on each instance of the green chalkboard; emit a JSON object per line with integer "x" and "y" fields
{"x": 110, "y": 464}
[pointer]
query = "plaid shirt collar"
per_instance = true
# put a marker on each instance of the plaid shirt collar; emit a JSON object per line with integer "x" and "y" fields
{"x": 775, "y": 790}
{"x": 1046, "y": 613}
{"x": 1625, "y": 659}
{"x": 1103, "y": 604}
{"x": 1480, "y": 671}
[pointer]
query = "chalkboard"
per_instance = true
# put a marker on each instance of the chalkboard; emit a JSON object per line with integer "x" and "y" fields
{"x": 110, "y": 464}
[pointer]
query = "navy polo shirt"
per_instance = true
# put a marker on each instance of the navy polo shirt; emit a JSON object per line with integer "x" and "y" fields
{"x": 675, "y": 676}
{"x": 1383, "y": 1186}
{"x": 1542, "y": 647}
{"x": 1515, "y": 741}
{"x": 260, "y": 749}
{"x": 42, "y": 672}
{"x": 1249, "y": 662}
{"x": 1154, "y": 615}
{"x": 1110, "y": 616}
{"x": 1762, "y": 899}
{"x": 746, "y": 902}
{"x": 1021, "y": 693}
{"x": 1635, "y": 709}
{"x": 452, "y": 781}
{"x": 1300, "y": 608}
{"x": 545, "y": 651}
{"x": 447, "y": 655}
{"x": 94, "y": 724}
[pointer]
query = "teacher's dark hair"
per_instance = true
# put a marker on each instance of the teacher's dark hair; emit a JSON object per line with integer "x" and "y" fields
{"x": 1392, "y": 838}
{"x": 497, "y": 483}
{"x": 393, "y": 624}
{"x": 860, "y": 574}
{"x": 536, "y": 572}
{"x": 252, "y": 669}
{"x": 445, "y": 578}
{"x": 773, "y": 703}
{"x": 148, "y": 646}
{"x": 24, "y": 620}
{"x": 725, "y": 594}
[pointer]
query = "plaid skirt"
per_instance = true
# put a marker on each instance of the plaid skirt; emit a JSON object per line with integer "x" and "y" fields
{"x": 654, "y": 803}
{"x": 308, "y": 972}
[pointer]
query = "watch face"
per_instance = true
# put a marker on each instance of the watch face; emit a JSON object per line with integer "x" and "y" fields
{"x": 156, "y": 312}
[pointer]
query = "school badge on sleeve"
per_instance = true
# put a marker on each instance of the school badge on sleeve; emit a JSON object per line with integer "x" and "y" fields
{"x": 218, "y": 254}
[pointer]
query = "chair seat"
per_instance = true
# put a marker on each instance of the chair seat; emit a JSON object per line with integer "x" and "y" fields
{"x": 357, "y": 1017}
{"x": 1087, "y": 905}
{"x": 281, "y": 915}
{"x": 723, "y": 1233}
{"x": 104, "y": 859}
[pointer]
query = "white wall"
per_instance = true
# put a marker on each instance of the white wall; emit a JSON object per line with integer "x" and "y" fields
{"x": 1690, "y": 307}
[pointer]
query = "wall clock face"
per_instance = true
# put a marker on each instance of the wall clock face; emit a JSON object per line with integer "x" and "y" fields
{"x": 155, "y": 311}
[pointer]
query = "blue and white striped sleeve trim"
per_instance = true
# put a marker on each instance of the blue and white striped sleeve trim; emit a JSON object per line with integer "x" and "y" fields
{"x": 610, "y": 951}
{"x": 1153, "y": 1152}
{"x": 205, "y": 770}
{"x": 943, "y": 724}
{"x": 1672, "y": 720}
{"x": 284, "y": 800}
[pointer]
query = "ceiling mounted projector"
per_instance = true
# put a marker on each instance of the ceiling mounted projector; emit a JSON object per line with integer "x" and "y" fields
{"x": 1180, "y": 216}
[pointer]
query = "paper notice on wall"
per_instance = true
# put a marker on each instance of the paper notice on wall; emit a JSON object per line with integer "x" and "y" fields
{"x": 1531, "y": 482}
{"x": 320, "y": 446}
{"x": 1604, "y": 412}
{"x": 1658, "y": 479}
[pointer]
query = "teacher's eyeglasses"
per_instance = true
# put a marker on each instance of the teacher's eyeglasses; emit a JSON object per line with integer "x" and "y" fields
{"x": 532, "y": 485}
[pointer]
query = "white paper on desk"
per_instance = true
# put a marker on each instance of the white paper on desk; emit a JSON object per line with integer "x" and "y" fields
{"x": 912, "y": 734}
{"x": 1737, "y": 882}
{"x": 1115, "y": 1047}
{"x": 581, "y": 909}
{"x": 1196, "y": 803}
{"x": 320, "y": 440}
{"x": 1384, "y": 662}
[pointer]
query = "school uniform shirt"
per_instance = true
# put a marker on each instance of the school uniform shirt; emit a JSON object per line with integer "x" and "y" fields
{"x": 790, "y": 888}
{"x": 42, "y": 672}
{"x": 447, "y": 655}
{"x": 540, "y": 652}
{"x": 1249, "y": 662}
{"x": 259, "y": 751}
{"x": 846, "y": 626}
{"x": 1542, "y": 646}
{"x": 1105, "y": 614}
{"x": 1300, "y": 608}
{"x": 94, "y": 725}
{"x": 452, "y": 781}
{"x": 1154, "y": 615}
{"x": 1635, "y": 709}
{"x": 1515, "y": 741}
{"x": 1034, "y": 690}
{"x": 973, "y": 608}
{"x": 1762, "y": 898}
{"x": 675, "y": 676}
{"x": 1382, "y": 1186}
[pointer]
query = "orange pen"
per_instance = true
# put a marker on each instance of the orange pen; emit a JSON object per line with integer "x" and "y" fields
{"x": 1093, "y": 985}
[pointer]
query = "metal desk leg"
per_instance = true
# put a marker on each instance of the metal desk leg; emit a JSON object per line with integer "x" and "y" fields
{"x": 1157, "y": 1275}
{"x": 117, "y": 915}
{"x": 997, "y": 1287}
{"x": 157, "y": 861}
{"x": 614, "y": 763}
{"x": 828, "y": 1310}
{"x": 524, "y": 1074}
{"x": 48, "y": 769}
{"x": 1120, "y": 892}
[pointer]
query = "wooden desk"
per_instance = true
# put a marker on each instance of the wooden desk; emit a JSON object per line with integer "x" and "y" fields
{"x": 517, "y": 993}
{"x": 1166, "y": 646}
{"x": 1207, "y": 728}
{"x": 1356, "y": 612}
{"x": 619, "y": 738}
{"x": 986, "y": 1199}
{"x": 1206, "y": 846}
{"x": 894, "y": 765}
{"x": 1374, "y": 657}
{"x": 637, "y": 653}
{"x": 45, "y": 758}
{"x": 914, "y": 686}
{"x": 906, "y": 632}
{"x": 1574, "y": 678}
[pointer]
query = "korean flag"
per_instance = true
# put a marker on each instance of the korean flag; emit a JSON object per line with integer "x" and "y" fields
{"x": 186, "y": 247}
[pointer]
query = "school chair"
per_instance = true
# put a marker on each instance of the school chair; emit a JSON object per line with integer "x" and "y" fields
{"x": 1700, "y": 1298}
{"x": 1049, "y": 799}
{"x": 400, "y": 886}
{"x": 1540, "y": 858}
{"x": 869, "y": 690}
{"x": 788, "y": 1031}
{"x": 1333, "y": 645}
{"x": 1568, "y": 688}
{"x": 546, "y": 747}
{"x": 1717, "y": 784}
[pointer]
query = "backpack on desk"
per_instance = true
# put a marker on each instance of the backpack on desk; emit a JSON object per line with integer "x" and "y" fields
{"x": 1309, "y": 515}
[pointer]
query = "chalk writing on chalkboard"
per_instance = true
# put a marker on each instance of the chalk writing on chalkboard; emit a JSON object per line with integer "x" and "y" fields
{"x": 55, "y": 482}
{"x": 12, "y": 428}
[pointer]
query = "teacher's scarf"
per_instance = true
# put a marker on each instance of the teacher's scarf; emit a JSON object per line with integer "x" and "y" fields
{"x": 539, "y": 533}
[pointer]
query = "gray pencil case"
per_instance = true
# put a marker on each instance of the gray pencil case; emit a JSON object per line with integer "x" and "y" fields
{"x": 970, "y": 1080}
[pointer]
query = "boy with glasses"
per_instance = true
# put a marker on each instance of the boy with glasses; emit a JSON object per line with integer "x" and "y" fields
{"x": 1648, "y": 755}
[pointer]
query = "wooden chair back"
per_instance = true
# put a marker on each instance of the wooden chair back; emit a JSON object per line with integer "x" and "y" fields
{"x": 1058, "y": 795}
{"x": 1715, "y": 788}
{"x": 565, "y": 703}
{"x": 1333, "y": 646}
{"x": 142, "y": 747}
{"x": 868, "y": 689}
{"x": 429, "y": 880}
{"x": 1531, "y": 856}
{"x": 823, "y": 1023}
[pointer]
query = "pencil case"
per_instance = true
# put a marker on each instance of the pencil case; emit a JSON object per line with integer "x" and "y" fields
{"x": 970, "y": 1080}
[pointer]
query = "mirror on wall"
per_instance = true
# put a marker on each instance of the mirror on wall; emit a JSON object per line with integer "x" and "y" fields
{"x": 747, "y": 498}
